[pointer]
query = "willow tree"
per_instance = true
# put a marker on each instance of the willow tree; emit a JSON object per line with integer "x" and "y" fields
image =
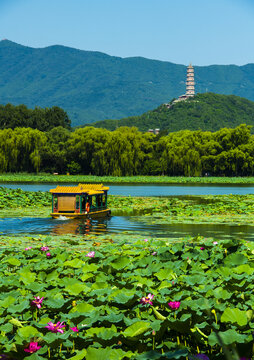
{"x": 17, "y": 146}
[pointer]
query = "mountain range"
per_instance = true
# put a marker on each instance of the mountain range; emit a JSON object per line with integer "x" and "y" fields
{"x": 92, "y": 86}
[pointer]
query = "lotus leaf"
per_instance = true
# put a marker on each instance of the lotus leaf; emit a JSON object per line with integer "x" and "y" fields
{"x": 234, "y": 316}
{"x": 136, "y": 329}
{"x": 27, "y": 332}
{"x": 227, "y": 337}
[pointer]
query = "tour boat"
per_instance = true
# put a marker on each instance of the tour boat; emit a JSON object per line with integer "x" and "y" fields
{"x": 82, "y": 200}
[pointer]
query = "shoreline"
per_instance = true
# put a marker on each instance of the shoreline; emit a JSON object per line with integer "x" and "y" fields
{"x": 139, "y": 179}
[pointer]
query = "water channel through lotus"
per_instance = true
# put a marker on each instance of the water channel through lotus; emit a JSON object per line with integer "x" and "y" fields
{"x": 128, "y": 224}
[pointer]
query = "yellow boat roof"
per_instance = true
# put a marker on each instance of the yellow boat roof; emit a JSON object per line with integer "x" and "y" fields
{"x": 90, "y": 189}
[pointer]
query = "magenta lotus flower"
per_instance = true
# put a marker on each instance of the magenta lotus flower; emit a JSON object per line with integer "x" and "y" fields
{"x": 37, "y": 301}
{"x": 90, "y": 254}
{"x": 147, "y": 300}
{"x": 28, "y": 248}
{"x": 202, "y": 248}
{"x": 55, "y": 328}
{"x": 44, "y": 248}
{"x": 48, "y": 254}
{"x": 75, "y": 329}
{"x": 174, "y": 305}
{"x": 32, "y": 347}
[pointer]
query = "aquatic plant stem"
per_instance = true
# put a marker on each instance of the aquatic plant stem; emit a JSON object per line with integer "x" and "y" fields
{"x": 178, "y": 340}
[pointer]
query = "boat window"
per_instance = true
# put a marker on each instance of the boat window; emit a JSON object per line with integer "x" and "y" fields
{"x": 99, "y": 201}
{"x": 83, "y": 204}
{"x": 55, "y": 202}
{"x": 77, "y": 201}
{"x": 104, "y": 200}
{"x": 92, "y": 201}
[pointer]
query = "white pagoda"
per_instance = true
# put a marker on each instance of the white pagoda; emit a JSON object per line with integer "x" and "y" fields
{"x": 190, "y": 84}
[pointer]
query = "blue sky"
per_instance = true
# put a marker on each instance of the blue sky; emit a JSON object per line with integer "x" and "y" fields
{"x": 203, "y": 32}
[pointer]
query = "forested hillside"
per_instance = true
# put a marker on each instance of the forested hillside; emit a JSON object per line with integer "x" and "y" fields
{"x": 126, "y": 151}
{"x": 203, "y": 112}
{"x": 92, "y": 86}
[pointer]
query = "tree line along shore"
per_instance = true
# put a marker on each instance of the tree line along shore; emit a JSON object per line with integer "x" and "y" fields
{"x": 128, "y": 152}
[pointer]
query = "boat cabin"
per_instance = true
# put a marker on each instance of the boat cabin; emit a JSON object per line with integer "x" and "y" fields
{"x": 80, "y": 201}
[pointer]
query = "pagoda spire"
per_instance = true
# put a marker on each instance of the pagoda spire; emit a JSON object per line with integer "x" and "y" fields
{"x": 190, "y": 84}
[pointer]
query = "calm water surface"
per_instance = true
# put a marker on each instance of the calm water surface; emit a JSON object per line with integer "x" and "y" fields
{"x": 153, "y": 190}
{"x": 121, "y": 224}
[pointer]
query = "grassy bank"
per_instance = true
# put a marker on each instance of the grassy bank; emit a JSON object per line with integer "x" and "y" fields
{"x": 49, "y": 178}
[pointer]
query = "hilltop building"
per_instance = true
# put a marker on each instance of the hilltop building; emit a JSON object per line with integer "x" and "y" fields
{"x": 154, "y": 131}
{"x": 190, "y": 86}
{"x": 190, "y": 92}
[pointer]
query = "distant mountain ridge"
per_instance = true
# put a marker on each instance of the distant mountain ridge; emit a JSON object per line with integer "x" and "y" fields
{"x": 92, "y": 86}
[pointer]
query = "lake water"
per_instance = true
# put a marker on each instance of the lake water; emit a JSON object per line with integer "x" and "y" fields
{"x": 121, "y": 224}
{"x": 127, "y": 224}
{"x": 152, "y": 190}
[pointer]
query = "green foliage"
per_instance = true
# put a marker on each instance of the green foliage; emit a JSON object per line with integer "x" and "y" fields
{"x": 128, "y": 152}
{"x": 215, "y": 299}
{"x": 17, "y": 198}
{"x": 42, "y": 119}
{"x": 139, "y": 179}
{"x": 206, "y": 112}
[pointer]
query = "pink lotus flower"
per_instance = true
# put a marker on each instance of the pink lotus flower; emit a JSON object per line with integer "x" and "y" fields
{"x": 28, "y": 248}
{"x": 174, "y": 305}
{"x": 32, "y": 347}
{"x": 202, "y": 248}
{"x": 55, "y": 328}
{"x": 48, "y": 254}
{"x": 44, "y": 248}
{"x": 145, "y": 240}
{"x": 37, "y": 302}
{"x": 154, "y": 253}
{"x": 215, "y": 243}
{"x": 147, "y": 300}
{"x": 75, "y": 329}
{"x": 90, "y": 254}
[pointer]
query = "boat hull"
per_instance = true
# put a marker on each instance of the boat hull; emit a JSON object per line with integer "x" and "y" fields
{"x": 91, "y": 214}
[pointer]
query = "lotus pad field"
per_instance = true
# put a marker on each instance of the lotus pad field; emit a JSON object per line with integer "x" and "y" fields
{"x": 146, "y": 299}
